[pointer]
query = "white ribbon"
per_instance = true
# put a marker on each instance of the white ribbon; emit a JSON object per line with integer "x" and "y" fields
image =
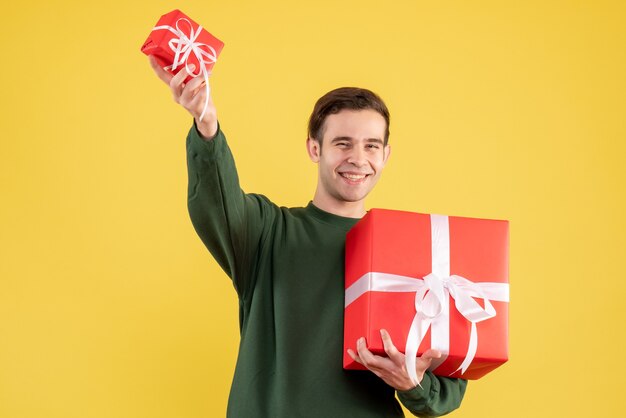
{"x": 431, "y": 300}
{"x": 183, "y": 46}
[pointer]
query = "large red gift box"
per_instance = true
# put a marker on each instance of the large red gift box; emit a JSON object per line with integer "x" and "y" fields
{"x": 177, "y": 41}
{"x": 433, "y": 281}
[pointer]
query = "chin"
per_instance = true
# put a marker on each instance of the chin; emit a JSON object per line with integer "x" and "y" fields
{"x": 353, "y": 198}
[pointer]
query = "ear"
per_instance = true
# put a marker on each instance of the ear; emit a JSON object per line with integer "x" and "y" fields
{"x": 386, "y": 153}
{"x": 313, "y": 148}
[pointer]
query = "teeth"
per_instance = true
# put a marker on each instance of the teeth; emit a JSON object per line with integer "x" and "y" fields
{"x": 354, "y": 176}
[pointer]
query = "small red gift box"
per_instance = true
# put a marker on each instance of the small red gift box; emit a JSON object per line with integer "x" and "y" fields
{"x": 177, "y": 41}
{"x": 431, "y": 281}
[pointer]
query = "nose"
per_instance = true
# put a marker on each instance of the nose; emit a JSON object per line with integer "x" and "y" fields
{"x": 357, "y": 157}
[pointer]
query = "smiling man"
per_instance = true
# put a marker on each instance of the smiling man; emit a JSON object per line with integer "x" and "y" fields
{"x": 287, "y": 264}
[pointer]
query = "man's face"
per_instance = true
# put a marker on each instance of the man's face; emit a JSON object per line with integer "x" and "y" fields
{"x": 352, "y": 155}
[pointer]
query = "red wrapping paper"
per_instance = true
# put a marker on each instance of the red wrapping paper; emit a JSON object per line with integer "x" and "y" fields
{"x": 399, "y": 243}
{"x": 158, "y": 42}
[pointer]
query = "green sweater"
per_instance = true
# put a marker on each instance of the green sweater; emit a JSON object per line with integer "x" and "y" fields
{"x": 287, "y": 267}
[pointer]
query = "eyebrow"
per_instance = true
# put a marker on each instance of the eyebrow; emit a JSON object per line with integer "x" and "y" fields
{"x": 350, "y": 139}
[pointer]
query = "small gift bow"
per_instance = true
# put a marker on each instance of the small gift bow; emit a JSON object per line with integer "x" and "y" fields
{"x": 183, "y": 46}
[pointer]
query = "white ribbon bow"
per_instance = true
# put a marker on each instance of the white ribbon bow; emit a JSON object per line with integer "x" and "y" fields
{"x": 183, "y": 46}
{"x": 431, "y": 300}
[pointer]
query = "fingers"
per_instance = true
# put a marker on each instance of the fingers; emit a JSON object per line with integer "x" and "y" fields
{"x": 391, "y": 350}
{"x": 395, "y": 375}
{"x": 192, "y": 96}
{"x": 354, "y": 356}
{"x": 165, "y": 76}
{"x": 369, "y": 359}
{"x": 177, "y": 83}
{"x": 191, "y": 90}
{"x": 431, "y": 354}
{"x": 424, "y": 362}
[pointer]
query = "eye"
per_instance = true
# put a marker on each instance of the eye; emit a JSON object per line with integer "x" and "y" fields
{"x": 373, "y": 146}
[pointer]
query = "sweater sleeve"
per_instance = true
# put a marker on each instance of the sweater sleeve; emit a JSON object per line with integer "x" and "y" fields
{"x": 437, "y": 396}
{"x": 229, "y": 222}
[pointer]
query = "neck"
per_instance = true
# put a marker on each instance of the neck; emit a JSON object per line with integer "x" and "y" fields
{"x": 339, "y": 208}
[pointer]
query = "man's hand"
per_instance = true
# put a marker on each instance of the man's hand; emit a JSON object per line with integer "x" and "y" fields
{"x": 191, "y": 96}
{"x": 392, "y": 369}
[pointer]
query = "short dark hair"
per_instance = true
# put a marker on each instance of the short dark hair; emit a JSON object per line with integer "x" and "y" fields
{"x": 352, "y": 98}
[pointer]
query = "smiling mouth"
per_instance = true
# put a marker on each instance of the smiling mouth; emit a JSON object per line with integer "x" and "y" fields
{"x": 354, "y": 178}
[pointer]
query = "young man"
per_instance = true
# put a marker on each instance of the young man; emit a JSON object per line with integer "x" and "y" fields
{"x": 287, "y": 267}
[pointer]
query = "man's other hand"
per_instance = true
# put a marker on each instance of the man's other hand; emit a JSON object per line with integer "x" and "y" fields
{"x": 191, "y": 96}
{"x": 392, "y": 368}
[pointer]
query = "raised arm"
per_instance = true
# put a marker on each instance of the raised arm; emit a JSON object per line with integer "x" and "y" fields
{"x": 229, "y": 222}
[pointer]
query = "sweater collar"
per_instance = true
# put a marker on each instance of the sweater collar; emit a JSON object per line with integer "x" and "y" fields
{"x": 330, "y": 218}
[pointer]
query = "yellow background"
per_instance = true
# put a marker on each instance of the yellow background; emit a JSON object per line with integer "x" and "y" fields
{"x": 110, "y": 306}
